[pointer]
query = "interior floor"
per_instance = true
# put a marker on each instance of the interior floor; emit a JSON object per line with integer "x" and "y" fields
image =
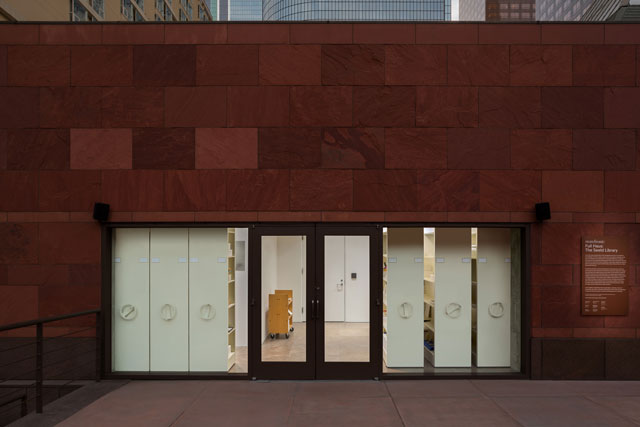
{"x": 430, "y": 369}
{"x": 242, "y": 361}
{"x": 282, "y": 349}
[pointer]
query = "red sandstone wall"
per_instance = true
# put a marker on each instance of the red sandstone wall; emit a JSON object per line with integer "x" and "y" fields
{"x": 316, "y": 122}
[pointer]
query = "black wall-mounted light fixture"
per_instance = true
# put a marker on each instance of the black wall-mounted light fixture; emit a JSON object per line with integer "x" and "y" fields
{"x": 543, "y": 211}
{"x": 100, "y": 211}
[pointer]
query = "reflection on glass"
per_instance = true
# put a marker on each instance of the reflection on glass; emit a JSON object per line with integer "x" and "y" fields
{"x": 283, "y": 285}
{"x": 346, "y": 311}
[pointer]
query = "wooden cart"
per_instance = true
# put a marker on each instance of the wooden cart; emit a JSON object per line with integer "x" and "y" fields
{"x": 280, "y": 317}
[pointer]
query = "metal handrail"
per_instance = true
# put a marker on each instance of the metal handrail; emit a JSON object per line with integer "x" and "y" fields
{"x": 38, "y": 323}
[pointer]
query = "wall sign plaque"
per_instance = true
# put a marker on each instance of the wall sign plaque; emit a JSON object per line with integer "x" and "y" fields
{"x": 605, "y": 276}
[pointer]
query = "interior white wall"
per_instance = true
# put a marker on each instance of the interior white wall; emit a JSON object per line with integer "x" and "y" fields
{"x": 242, "y": 291}
{"x": 289, "y": 270}
{"x": 269, "y": 279}
{"x": 356, "y": 290}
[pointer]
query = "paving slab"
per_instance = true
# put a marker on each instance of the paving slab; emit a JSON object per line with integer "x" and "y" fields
{"x": 627, "y": 406}
{"x": 433, "y": 388}
{"x": 524, "y": 388}
{"x": 344, "y": 411}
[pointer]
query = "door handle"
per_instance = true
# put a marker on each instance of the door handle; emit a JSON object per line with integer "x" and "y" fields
{"x": 317, "y": 309}
{"x": 313, "y": 309}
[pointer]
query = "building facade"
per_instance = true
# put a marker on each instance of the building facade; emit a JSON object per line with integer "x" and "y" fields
{"x": 497, "y": 10}
{"x": 353, "y": 10}
{"x": 569, "y": 10}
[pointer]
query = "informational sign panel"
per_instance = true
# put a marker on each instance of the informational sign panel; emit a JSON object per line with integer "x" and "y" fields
{"x": 605, "y": 276}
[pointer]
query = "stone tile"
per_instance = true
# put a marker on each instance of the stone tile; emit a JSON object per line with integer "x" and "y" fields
{"x": 289, "y": 148}
{"x": 56, "y": 299}
{"x": 444, "y": 106}
{"x": 201, "y": 34}
{"x": 599, "y": 149}
{"x": 353, "y": 148}
{"x": 101, "y": 149}
{"x": 561, "y": 308}
{"x": 202, "y": 190}
{"x": 3, "y": 65}
{"x": 572, "y": 107}
{"x": 505, "y": 33}
{"x": 386, "y": 106}
{"x": 321, "y": 106}
{"x": 561, "y": 241}
{"x": 556, "y": 33}
{"x": 413, "y": 148}
{"x": 3, "y": 149}
{"x": 320, "y": 190}
{"x": 622, "y": 192}
{"x": 18, "y": 304}
{"x": 448, "y": 191}
{"x": 387, "y": 33}
{"x": 392, "y": 190}
{"x": 400, "y": 390}
{"x": 227, "y": 65}
{"x": 478, "y": 65}
{"x": 19, "y": 34}
{"x": 540, "y": 65}
{"x": 132, "y": 107}
{"x": 604, "y": 65}
{"x": 19, "y": 243}
{"x": 555, "y": 411}
{"x": 541, "y": 149}
{"x": 518, "y": 388}
{"x": 253, "y": 106}
{"x": 427, "y": 33}
{"x": 621, "y": 356}
{"x": 257, "y": 33}
{"x": 290, "y": 65}
{"x": 132, "y": 34}
{"x": 195, "y": 106}
{"x": 164, "y": 65}
{"x": 324, "y": 33}
{"x": 631, "y": 231}
{"x": 227, "y": 148}
{"x": 62, "y": 191}
{"x": 67, "y": 107}
{"x": 158, "y": 148}
{"x": 508, "y": 107}
{"x": 478, "y": 149}
{"x": 477, "y": 411}
{"x": 101, "y": 65}
{"x": 415, "y": 65}
{"x": 22, "y": 188}
{"x": 569, "y": 191}
{"x": 264, "y": 190}
{"x": 551, "y": 275}
{"x": 29, "y": 149}
{"x": 83, "y": 274}
{"x": 619, "y": 107}
{"x": 19, "y": 107}
{"x": 38, "y": 65}
{"x": 509, "y": 190}
{"x": 352, "y": 65}
{"x": 133, "y": 190}
{"x": 69, "y": 243}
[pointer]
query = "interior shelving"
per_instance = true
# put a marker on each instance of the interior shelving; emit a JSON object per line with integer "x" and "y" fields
{"x": 231, "y": 293}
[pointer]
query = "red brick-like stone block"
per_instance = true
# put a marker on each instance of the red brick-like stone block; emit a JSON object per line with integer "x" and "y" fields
{"x": 413, "y": 148}
{"x": 509, "y": 34}
{"x": 415, "y": 65}
{"x": 561, "y": 307}
{"x": 63, "y": 191}
{"x": 18, "y": 304}
{"x": 606, "y": 332}
{"x": 448, "y": 191}
{"x": 540, "y": 65}
{"x": 227, "y": 65}
{"x": 565, "y": 107}
{"x": 309, "y": 33}
{"x": 541, "y": 149}
{"x": 606, "y": 217}
{"x": 572, "y": 33}
{"x": 29, "y": 149}
{"x": 478, "y": 216}
{"x": 252, "y": 106}
{"x": 446, "y": 33}
{"x": 353, "y": 65}
{"x": 621, "y": 107}
{"x": 632, "y": 319}
{"x": 38, "y": 65}
{"x": 510, "y": 107}
{"x": 3, "y": 149}
{"x": 124, "y": 34}
{"x": 276, "y": 216}
{"x": 321, "y": 106}
{"x": 163, "y": 216}
{"x": 596, "y": 149}
{"x": 384, "y": 106}
{"x": 604, "y": 65}
{"x": 84, "y": 274}
{"x": 258, "y": 33}
{"x": 478, "y": 65}
{"x": 70, "y": 107}
{"x": 203, "y": 190}
{"x": 3, "y": 65}
{"x": 509, "y": 190}
{"x": 318, "y": 190}
{"x": 622, "y": 192}
{"x": 131, "y": 190}
{"x": 132, "y": 107}
{"x": 195, "y": 34}
{"x": 632, "y": 233}
{"x": 289, "y": 148}
{"x": 478, "y": 149}
{"x": 569, "y": 191}
{"x": 40, "y": 216}
{"x": 227, "y": 148}
{"x": 53, "y": 300}
{"x": 164, "y": 65}
{"x": 19, "y": 243}
{"x": 442, "y": 106}
{"x": 561, "y": 242}
{"x": 19, "y": 34}
{"x": 353, "y": 148}
{"x": 101, "y": 149}
{"x": 19, "y": 191}
{"x": 260, "y": 190}
{"x": 391, "y": 190}
{"x": 415, "y": 216}
{"x": 353, "y": 216}
{"x": 384, "y": 33}
{"x": 160, "y": 148}
{"x": 223, "y": 216}
{"x": 70, "y": 34}
{"x": 101, "y": 65}
{"x": 195, "y": 106}
{"x": 618, "y": 33}
{"x": 290, "y": 65}
{"x": 19, "y": 107}
{"x": 35, "y": 275}
{"x": 69, "y": 243}
{"x": 544, "y": 275}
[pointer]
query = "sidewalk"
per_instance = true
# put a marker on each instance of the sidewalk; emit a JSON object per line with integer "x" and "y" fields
{"x": 388, "y": 403}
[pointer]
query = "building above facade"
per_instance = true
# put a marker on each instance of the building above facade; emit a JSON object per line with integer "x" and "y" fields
{"x": 497, "y": 10}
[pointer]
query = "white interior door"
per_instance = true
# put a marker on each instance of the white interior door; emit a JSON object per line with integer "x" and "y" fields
{"x": 334, "y": 280}
{"x": 356, "y": 288}
{"x": 131, "y": 299}
{"x": 169, "y": 305}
